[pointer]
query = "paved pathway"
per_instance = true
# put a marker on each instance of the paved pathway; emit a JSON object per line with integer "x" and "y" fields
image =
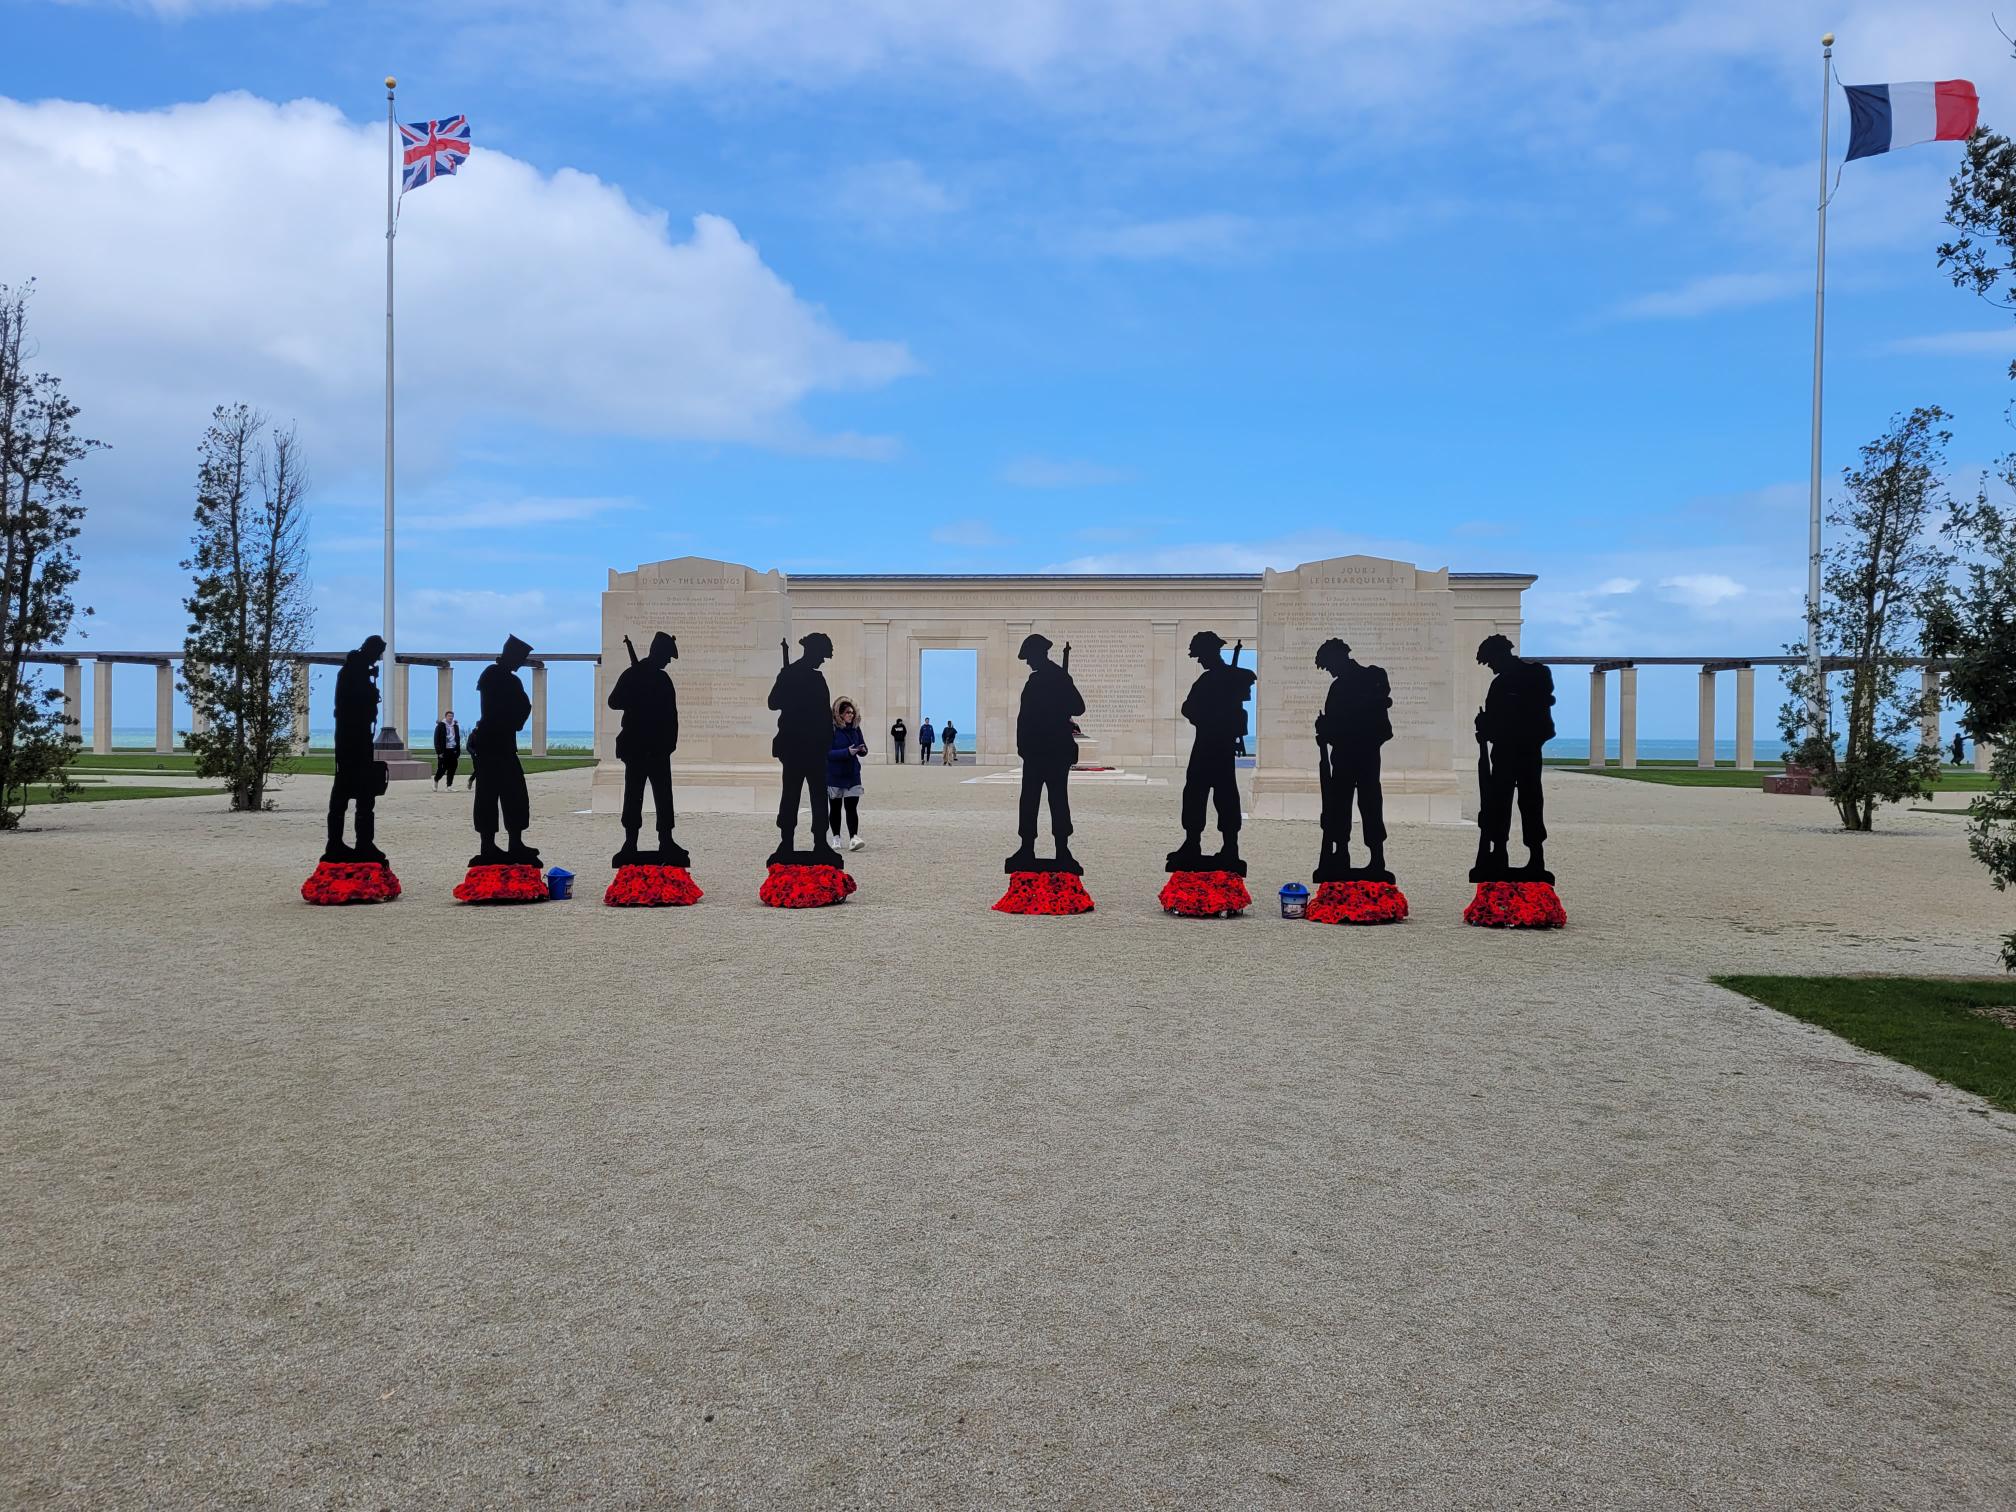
{"x": 910, "y": 1204}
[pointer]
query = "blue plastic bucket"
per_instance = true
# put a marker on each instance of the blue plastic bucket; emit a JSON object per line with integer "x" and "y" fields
{"x": 560, "y": 883}
{"x": 1294, "y": 901}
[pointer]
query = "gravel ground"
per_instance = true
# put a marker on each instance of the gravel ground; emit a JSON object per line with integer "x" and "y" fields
{"x": 909, "y": 1204}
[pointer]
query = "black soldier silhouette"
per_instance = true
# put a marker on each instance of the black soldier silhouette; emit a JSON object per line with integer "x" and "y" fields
{"x": 499, "y": 780}
{"x": 1216, "y": 709}
{"x": 1050, "y": 701}
{"x": 649, "y": 735}
{"x": 358, "y": 770}
{"x": 1353, "y": 726}
{"x": 804, "y": 733}
{"x": 1515, "y": 722}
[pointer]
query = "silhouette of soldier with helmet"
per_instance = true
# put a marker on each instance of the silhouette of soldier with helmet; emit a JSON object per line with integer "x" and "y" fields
{"x": 1353, "y": 726}
{"x": 1043, "y": 731}
{"x": 804, "y": 732}
{"x": 359, "y": 773}
{"x": 1216, "y": 709}
{"x": 645, "y": 743}
{"x": 499, "y": 780}
{"x": 1513, "y": 725}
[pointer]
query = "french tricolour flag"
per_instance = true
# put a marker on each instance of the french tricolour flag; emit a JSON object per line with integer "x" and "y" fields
{"x": 1886, "y": 116}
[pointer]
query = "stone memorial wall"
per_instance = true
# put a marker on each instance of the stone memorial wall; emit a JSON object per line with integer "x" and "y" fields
{"x": 1129, "y": 638}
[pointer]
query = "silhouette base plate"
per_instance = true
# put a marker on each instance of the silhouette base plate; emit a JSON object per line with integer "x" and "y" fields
{"x": 502, "y": 882}
{"x": 1357, "y": 902}
{"x": 336, "y": 883}
{"x": 1052, "y": 892}
{"x": 643, "y": 885}
{"x": 1516, "y": 905}
{"x": 793, "y": 886}
{"x": 1205, "y": 894}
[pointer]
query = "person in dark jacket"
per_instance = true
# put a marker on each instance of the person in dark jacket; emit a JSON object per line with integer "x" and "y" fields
{"x": 898, "y": 733}
{"x": 502, "y": 710}
{"x": 447, "y": 748}
{"x": 356, "y": 762}
{"x": 843, "y": 772}
{"x": 1959, "y": 749}
{"x": 950, "y": 737}
{"x": 926, "y": 738}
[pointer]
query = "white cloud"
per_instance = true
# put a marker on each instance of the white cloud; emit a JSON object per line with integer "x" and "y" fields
{"x": 181, "y": 10}
{"x": 1187, "y": 237}
{"x": 974, "y": 533}
{"x": 1050, "y": 472}
{"x": 1959, "y": 343}
{"x": 509, "y": 514}
{"x": 1701, "y": 590}
{"x": 1613, "y": 587}
{"x": 891, "y": 196}
{"x": 1715, "y": 292}
{"x": 175, "y": 273}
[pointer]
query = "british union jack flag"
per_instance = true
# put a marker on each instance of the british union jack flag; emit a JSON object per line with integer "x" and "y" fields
{"x": 433, "y": 148}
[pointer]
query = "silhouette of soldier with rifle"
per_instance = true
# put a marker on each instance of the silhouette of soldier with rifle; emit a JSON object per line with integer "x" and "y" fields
{"x": 1353, "y": 726}
{"x": 1513, "y": 725}
{"x": 1050, "y": 701}
{"x": 1216, "y": 709}
{"x": 360, "y": 775}
{"x": 650, "y": 734}
{"x": 498, "y": 779}
{"x": 804, "y": 732}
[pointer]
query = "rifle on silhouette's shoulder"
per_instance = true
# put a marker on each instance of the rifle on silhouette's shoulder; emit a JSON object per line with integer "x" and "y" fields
{"x": 1237, "y": 646}
{"x": 1067, "y": 656}
{"x": 631, "y": 649}
{"x": 784, "y": 649}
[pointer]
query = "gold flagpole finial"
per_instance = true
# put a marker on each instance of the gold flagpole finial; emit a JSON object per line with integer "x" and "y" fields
{"x": 390, "y": 83}
{"x": 1828, "y": 40}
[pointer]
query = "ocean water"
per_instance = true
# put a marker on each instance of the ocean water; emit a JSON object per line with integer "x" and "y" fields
{"x": 1665, "y": 750}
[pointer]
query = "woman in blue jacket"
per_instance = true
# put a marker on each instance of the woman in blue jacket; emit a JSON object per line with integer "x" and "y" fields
{"x": 843, "y": 772}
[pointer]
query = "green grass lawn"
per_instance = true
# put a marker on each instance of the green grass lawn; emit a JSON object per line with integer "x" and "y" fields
{"x": 314, "y": 764}
{"x": 1923, "y": 1022}
{"x": 1950, "y": 781}
{"x": 109, "y": 792}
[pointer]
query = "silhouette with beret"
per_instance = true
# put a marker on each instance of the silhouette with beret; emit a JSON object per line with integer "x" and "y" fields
{"x": 498, "y": 778}
{"x": 645, "y": 743}
{"x": 1216, "y": 709}
{"x": 1512, "y": 727}
{"x": 357, "y": 764}
{"x": 1353, "y": 726}
{"x": 804, "y": 731}
{"x": 1050, "y": 701}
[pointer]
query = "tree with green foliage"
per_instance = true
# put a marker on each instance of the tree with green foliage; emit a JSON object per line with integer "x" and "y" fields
{"x": 249, "y": 615}
{"x": 1974, "y": 622}
{"x": 40, "y": 515}
{"x": 1880, "y": 576}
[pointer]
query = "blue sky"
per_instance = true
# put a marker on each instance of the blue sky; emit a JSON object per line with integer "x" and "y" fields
{"x": 1491, "y": 284}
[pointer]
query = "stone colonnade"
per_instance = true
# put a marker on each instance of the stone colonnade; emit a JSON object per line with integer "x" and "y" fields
{"x": 393, "y": 712}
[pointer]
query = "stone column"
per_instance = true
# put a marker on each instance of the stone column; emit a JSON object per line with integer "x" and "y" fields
{"x": 73, "y": 700}
{"x": 1928, "y": 709}
{"x": 1627, "y": 716}
{"x": 1746, "y": 719}
{"x": 444, "y": 689}
{"x": 1704, "y": 749}
{"x": 1984, "y": 755}
{"x": 1597, "y": 720}
{"x": 1165, "y": 666}
{"x": 164, "y": 708}
{"x": 538, "y": 709}
{"x": 398, "y": 717}
{"x": 101, "y": 707}
{"x": 301, "y": 669}
{"x": 875, "y": 715}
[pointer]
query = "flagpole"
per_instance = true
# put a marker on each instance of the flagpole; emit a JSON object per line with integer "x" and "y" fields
{"x": 388, "y": 733}
{"x": 1816, "y": 699}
